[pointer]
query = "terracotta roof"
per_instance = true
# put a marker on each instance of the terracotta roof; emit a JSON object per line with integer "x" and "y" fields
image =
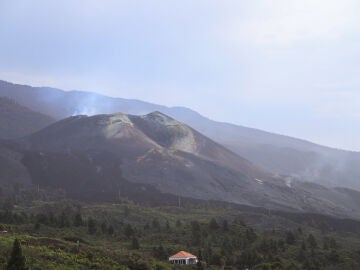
{"x": 182, "y": 254}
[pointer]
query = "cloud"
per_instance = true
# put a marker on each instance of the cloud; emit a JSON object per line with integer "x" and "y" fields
{"x": 284, "y": 22}
{"x": 280, "y": 65}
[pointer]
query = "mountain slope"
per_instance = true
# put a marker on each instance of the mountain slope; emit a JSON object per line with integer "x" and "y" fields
{"x": 12, "y": 170}
{"x": 104, "y": 155}
{"x": 137, "y": 139}
{"x": 17, "y": 121}
{"x": 280, "y": 154}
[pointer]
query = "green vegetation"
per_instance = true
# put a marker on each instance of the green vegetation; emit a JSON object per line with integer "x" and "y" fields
{"x": 124, "y": 235}
{"x": 17, "y": 260}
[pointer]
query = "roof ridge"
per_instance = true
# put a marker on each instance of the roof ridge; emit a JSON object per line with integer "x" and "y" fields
{"x": 182, "y": 254}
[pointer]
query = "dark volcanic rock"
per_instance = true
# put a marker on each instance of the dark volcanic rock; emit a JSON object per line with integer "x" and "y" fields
{"x": 102, "y": 155}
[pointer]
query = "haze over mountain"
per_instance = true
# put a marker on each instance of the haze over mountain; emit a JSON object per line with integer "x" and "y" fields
{"x": 132, "y": 130}
{"x": 101, "y": 156}
{"x": 17, "y": 121}
{"x": 288, "y": 67}
{"x": 280, "y": 154}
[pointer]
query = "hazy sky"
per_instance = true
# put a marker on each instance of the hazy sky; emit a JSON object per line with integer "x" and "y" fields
{"x": 291, "y": 67}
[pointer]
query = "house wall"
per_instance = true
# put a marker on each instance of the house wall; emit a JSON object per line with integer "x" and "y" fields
{"x": 183, "y": 260}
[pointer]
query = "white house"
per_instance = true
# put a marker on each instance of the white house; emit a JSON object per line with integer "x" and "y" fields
{"x": 183, "y": 257}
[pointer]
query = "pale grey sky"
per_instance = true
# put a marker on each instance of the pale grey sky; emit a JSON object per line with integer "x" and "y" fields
{"x": 291, "y": 67}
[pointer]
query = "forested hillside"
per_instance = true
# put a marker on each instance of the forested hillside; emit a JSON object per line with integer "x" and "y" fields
{"x": 65, "y": 234}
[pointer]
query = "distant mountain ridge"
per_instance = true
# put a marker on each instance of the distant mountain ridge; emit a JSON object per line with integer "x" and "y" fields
{"x": 280, "y": 154}
{"x": 17, "y": 121}
{"x": 102, "y": 156}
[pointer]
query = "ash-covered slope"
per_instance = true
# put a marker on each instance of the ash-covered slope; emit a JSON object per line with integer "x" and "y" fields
{"x": 97, "y": 155}
{"x": 277, "y": 153}
{"x": 17, "y": 121}
{"x": 130, "y": 136}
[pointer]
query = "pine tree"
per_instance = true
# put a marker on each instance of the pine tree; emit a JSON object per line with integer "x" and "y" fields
{"x": 103, "y": 227}
{"x": 110, "y": 230}
{"x": 128, "y": 230}
{"x": 312, "y": 241}
{"x": 195, "y": 232}
{"x": 333, "y": 257}
{"x": 208, "y": 252}
{"x": 51, "y": 219}
{"x": 167, "y": 225}
{"x": 290, "y": 238}
{"x": 146, "y": 226}
{"x": 17, "y": 260}
{"x": 37, "y": 226}
{"x": 135, "y": 243}
{"x": 91, "y": 226}
{"x": 63, "y": 220}
{"x": 332, "y": 243}
{"x": 155, "y": 224}
{"x": 160, "y": 253}
{"x": 199, "y": 266}
{"x": 178, "y": 223}
{"x": 213, "y": 225}
{"x": 78, "y": 220}
{"x": 225, "y": 226}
